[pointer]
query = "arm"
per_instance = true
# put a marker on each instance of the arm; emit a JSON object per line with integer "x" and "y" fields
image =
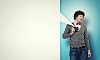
{"x": 67, "y": 33}
{"x": 87, "y": 43}
{"x": 87, "y": 40}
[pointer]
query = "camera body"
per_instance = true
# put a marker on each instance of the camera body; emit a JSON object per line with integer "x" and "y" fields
{"x": 76, "y": 29}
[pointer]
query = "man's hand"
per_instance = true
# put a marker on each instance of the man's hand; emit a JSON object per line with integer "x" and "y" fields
{"x": 89, "y": 53}
{"x": 72, "y": 31}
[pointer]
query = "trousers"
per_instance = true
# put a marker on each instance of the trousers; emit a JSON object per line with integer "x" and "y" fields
{"x": 78, "y": 53}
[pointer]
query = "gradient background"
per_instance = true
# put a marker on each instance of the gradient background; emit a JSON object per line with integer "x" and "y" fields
{"x": 91, "y": 20}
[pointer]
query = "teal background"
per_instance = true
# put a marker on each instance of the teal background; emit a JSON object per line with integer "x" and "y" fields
{"x": 91, "y": 20}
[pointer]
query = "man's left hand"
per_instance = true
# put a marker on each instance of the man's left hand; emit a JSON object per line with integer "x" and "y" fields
{"x": 89, "y": 53}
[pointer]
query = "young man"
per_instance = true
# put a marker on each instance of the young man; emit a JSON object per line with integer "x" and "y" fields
{"x": 79, "y": 43}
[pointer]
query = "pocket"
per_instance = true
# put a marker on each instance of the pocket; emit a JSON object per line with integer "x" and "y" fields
{"x": 84, "y": 50}
{"x": 72, "y": 51}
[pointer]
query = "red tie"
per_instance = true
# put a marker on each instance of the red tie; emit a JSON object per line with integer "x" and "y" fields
{"x": 78, "y": 23}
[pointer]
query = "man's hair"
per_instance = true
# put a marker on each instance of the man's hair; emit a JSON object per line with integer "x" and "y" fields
{"x": 78, "y": 13}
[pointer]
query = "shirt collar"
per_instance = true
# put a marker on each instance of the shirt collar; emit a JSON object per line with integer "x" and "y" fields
{"x": 75, "y": 23}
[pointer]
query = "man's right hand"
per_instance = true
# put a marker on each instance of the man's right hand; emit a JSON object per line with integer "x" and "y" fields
{"x": 72, "y": 31}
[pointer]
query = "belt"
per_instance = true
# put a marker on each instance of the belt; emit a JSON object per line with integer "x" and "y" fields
{"x": 77, "y": 47}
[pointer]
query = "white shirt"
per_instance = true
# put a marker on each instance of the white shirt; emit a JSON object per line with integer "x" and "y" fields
{"x": 79, "y": 26}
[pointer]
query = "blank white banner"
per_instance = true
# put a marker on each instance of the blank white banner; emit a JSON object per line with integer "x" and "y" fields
{"x": 29, "y": 30}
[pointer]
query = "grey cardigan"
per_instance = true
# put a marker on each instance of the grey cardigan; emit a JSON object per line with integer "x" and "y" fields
{"x": 78, "y": 39}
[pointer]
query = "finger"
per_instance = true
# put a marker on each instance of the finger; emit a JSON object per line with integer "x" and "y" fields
{"x": 89, "y": 55}
{"x": 73, "y": 28}
{"x": 73, "y": 31}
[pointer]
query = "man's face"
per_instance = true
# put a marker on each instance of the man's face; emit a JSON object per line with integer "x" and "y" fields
{"x": 79, "y": 18}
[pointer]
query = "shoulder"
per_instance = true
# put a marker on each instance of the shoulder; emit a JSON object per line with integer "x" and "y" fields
{"x": 84, "y": 26}
{"x": 69, "y": 26}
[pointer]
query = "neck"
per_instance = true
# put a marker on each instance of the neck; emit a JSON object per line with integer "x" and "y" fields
{"x": 77, "y": 21}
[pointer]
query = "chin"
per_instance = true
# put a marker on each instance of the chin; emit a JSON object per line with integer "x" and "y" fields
{"x": 80, "y": 20}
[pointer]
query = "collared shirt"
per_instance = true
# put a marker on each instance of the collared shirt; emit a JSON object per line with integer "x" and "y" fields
{"x": 79, "y": 26}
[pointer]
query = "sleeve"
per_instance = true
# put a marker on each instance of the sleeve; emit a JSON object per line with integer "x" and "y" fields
{"x": 66, "y": 33}
{"x": 86, "y": 39}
